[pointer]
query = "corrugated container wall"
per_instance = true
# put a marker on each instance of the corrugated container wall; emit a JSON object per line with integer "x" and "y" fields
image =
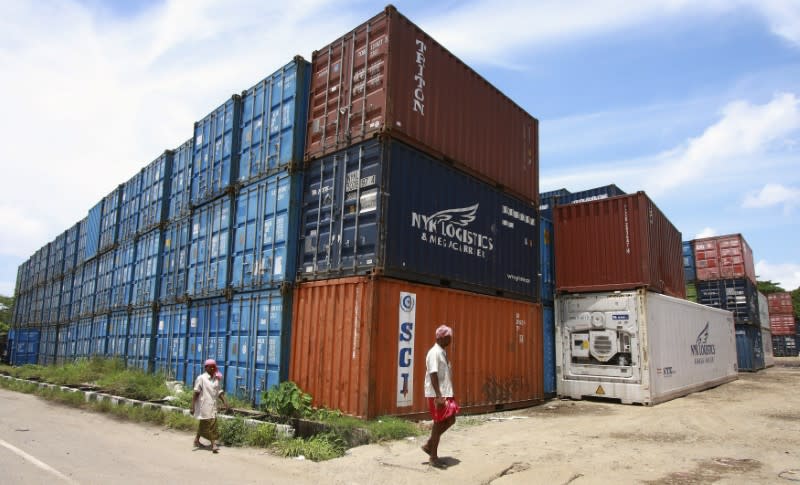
{"x": 389, "y": 76}
{"x": 265, "y": 231}
{"x": 273, "y": 124}
{"x": 780, "y": 303}
{"x": 766, "y": 340}
{"x": 549, "y": 344}
{"x": 109, "y": 225}
{"x": 359, "y": 345}
{"x": 619, "y": 243}
{"x": 90, "y": 232}
{"x": 174, "y": 261}
{"x": 216, "y": 151}
{"x": 154, "y": 204}
{"x": 689, "y": 272}
{"x": 782, "y": 324}
{"x": 180, "y": 181}
{"x": 129, "y": 207}
{"x": 141, "y": 338}
{"x": 209, "y": 255}
{"x": 763, "y": 311}
{"x": 147, "y": 268}
{"x": 382, "y": 206}
{"x": 208, "y": 325}
{"x": 55, "y": 259}
{"x": 71, "y": 247}
{"x": 118, "y": 334}
{"x": 721, "y": 257}
{"x": 88, "y": 288}
{"x": 547, "y": 282}
{"x": 123, "y": 274}
{"x": 737, "y": 295}
{"x": 784, "y": 345}
{"x": 66, "y": 298}
{"x": 549, "y": 200}
{"x": 170, "y": 358}
{"x": 749, "y": 348}
{"x": 77, "y": 287}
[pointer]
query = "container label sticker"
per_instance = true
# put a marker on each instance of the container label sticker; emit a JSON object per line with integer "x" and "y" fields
{"x": 600, "y": 391}
{"x": 405, "y": 349}
{"x": 418, "y": 101}
{"x": 621, "y": 316}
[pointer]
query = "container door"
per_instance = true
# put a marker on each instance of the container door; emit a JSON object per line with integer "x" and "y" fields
{"x": 548, "y": 334}
{"x": 238, "y": 380}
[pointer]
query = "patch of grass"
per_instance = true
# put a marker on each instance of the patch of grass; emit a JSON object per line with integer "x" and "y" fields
{"x": 261, "y": 436}
{"x": 380, "y": 429}
{"x": 180, "y": 421}
{"x": 321, "y": 447}
{"x": 232, "y": 432}
{"x": 16, "y": 386}
{"x": 134, "y": 384}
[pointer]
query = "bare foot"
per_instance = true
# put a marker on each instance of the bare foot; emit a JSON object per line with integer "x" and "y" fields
{"x": 437, "y": 463}
{"x": 425, "y": 449}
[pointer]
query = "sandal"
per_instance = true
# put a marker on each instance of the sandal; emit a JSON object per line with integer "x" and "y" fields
{"x": 437, "y": 463}
{"x": 215, "y": 449}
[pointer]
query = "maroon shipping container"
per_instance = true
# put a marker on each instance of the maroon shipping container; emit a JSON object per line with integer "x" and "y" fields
{"x": 723, "y": 257}
{"x": 782, "y": 325}
{"x": 414, "y": 89}
{"x": 780, "y": 303}
{"x": 620, "y": 243}
{"x": 359, "y": 345}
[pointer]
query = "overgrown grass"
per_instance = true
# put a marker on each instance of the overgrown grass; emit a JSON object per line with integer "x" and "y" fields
{"x": 325, "y": 446}
{"x": 385, "y": 428}
{"x": 236, "y": 432}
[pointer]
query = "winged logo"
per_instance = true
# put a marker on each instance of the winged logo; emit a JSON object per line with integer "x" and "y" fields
{"x": 459, "y": 217}
{"x": 702, "y": 337}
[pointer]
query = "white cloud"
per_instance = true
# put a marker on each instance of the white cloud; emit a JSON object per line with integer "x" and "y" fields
{"x": 771, "y": 195}
{"x": 507, "y": 27}
{"x": 706, "y": 232}
{"x": 787, "y": 275}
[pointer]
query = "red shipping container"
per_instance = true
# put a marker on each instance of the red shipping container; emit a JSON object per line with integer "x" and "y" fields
{"x": 620, "y": 243}
{"x": 359, "y": 345}
{"x": 780, "y": 303}
{"x": 782, "y": 325}
{"x": 408, "y": 85}
{"x": 723, "y": 257}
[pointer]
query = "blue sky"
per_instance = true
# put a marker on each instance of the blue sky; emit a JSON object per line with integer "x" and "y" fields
{"x": 697, "y": 103}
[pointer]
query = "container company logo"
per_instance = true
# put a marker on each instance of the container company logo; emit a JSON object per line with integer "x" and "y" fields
{"x": 405, "y": 349}
{"x": 448, "y": 228}
{"x": 419, "y": 79}
{"x": 702, "y": 351}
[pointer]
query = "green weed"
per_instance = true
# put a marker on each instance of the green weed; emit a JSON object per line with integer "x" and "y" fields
{"x": 321, "y": 447}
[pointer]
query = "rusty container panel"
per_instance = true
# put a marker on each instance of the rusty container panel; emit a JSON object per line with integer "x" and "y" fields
{"x": 620, "y": 243}
{"x": 782, "y": 324}
{"x": 722, "y": 257}
{"x": 780, "y": 303}
{"x": 359, "y": 345}
{"x": 387, "y": 75}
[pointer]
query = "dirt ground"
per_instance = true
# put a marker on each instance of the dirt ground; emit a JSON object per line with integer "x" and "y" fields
{"x": 746, "y": 431}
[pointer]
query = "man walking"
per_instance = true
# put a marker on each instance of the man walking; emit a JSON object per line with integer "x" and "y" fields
{"x": 439, "y": 393}
{"x": 207, "y": 389}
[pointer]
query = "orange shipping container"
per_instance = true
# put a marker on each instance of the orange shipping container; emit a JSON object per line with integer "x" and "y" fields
{"x": 359, "y": 345}
{"x": 780, "y": 303}
{"x": 721, "y": 257}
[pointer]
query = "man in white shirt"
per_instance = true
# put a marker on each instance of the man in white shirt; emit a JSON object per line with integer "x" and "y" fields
{"x": 207, "y": 389}
{"x": 439, "y": 393}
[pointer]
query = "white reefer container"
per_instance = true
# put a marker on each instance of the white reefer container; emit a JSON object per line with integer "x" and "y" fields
{"x": 640, "y": 347}
{"x": 766, "y": 333}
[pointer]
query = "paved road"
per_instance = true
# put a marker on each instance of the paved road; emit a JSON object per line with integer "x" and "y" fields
{"x": 47, "y": 443}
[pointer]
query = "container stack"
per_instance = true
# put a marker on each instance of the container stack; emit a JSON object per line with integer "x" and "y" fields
{"x": 725, "y": 278}
{"x": 783, "y": 325}
{"x": 623, "y": 328}
{"x": 419, "y": 209}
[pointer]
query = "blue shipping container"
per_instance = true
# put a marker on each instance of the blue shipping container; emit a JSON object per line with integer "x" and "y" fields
{"x": 88, "y": 288}
{"x": 123, "y": 274}
{"x": 71, "y": 247}
{"x": 67, "y": 339}
{"x": 90, "y": 232}
{"x": 737, "y": 295}
{"x": 24, "y": 346}
{"x": 173, "y": 325}
{"x": 77, "y": 287}
{"x": 547, "y": 261}
{"x": 273, "y": 124}
{"x": 597, "y": 193}
{"x": 83, "y": 341}
{"x": 258, "y": 343}
{"x": 381, "y": 206}
{"x": 749, "y": 348}
{"x": 208, "y": 326}
{"x": 146, "y": 269}
{"x": 207, "y": 273}
{"x": 52, "y": 304}
{"x": 100, "y": 335}
{"x": 549, "y": 341}
{"x": 105, "y": 281}
{"x": 109, "y": 223}
{"x": 784, "y": 345}
{"x": 141, "y": 339}
{"x": 174, "y": 261}
{"x": 55, "y": 257}
{"x": 47, "y": 345}
{"x": 154, "y": 204}
{"x": 216, "y": 151}
{"x": 266, "y": 226}
{"x": 118, "y": 334}
{"x": 180, "y": 182}
{"x": 129, "y": 207}
{"x": 66, "y": 298}
{"x": 689, "y": 271}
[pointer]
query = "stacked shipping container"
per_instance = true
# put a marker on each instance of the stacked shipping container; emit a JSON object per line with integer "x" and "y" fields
{"x": 413, "y": 189}
{"x": 783, "y": 325}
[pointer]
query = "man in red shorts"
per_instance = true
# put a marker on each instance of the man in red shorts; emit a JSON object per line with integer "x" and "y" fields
{"x": 439, "y": 393}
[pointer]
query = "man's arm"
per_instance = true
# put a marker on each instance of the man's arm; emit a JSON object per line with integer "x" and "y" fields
{"x": 439, "y": 400}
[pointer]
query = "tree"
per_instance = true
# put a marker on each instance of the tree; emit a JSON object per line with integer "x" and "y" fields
{"x": 767, "y": 287}
{"x": 6, "y": 313}
{"x": 796, "y": 302}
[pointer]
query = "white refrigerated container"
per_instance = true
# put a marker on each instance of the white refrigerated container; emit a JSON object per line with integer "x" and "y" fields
{"x": 640, "y": 347}
{"x": 766, "y": 341}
